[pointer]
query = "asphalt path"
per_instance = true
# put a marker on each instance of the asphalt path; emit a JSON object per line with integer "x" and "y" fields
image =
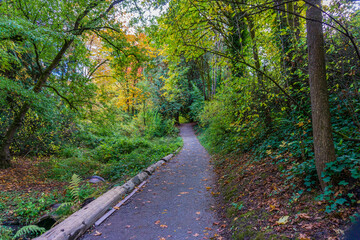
{"x": 176, "y": 203}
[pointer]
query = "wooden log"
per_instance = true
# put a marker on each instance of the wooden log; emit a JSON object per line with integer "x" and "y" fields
{"x": 177, "y": 150}
{"x": 168, "y": 157}
{"x": 76, "y": 224}
{"x": 139, "y": 178}
{"x": 128, "y": 186}
{"x": 108, "y": 214}
{"x": 159, "y": 163}
{"x": 151, "y": 169}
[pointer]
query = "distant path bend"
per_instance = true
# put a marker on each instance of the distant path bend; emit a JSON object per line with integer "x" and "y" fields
{"x": 176, "y": 203}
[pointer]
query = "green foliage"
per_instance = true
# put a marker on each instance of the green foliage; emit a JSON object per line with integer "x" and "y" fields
{"x": 28, "y": 208}
{"x": 197, "y": 104}
{"x": 157, "y": 126}
{"x": 237, "y": 206}
{"x": 5, "y": 233}
{"x": 74, "y": 188}
{"x": 130, "y": 164}
{"x": 64, "y": 168}
{"x": 30, "y": 229}
{"x": 74, "y": 199}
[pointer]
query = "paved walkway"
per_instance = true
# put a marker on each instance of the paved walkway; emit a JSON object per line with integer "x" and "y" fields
{"x": 176, "y": 203}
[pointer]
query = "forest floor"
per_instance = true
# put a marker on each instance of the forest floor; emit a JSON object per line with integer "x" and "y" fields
{"x": 261, "y": 203}
{"x": 26, "y": 193}
{"x": 21, "y": 186}
{"x": 27, "y": 175}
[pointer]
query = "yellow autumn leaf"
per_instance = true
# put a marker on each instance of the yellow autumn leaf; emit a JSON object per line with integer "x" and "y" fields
{"x": 283, "y": 220}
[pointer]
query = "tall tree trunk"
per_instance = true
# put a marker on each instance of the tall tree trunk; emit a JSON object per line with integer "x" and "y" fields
{"x": 322, "y": 130}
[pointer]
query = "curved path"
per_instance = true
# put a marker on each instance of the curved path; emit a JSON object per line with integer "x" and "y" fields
{"x": 176, "y": 203}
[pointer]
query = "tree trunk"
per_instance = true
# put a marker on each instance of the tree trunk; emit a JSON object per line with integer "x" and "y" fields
{"x": 322, "y": 130}
{"x": 5, "y": 157}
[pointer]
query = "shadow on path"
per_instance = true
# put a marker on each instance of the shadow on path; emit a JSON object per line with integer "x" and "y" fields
{"x": 176, "y": 203}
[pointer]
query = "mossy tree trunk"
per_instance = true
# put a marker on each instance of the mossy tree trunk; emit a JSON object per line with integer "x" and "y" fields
{"x": 322, "y": 130}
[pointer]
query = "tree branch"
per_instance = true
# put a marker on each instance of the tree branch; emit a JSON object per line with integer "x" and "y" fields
{"x": 61, "y": 96}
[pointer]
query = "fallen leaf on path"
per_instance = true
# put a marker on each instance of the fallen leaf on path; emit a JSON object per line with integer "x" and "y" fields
{"x": 157, "y": 222}
{"x": 303, "y": 237}
{"x": 274, "y": 208}
{"x": 97, "y": 233}
{"x": 163, "y": 226}
{"x": 116, "y": 208}
{"x": 304, "y": 216}
{"x": 339, "y": 231}
{"x": 196, "y": 235}
{"x": 127, "y": 226}
{"x": 184, "y": 192}
{"x": 308, "y": 226}
{"x": 197, "y": 213}
{"x": 283, "y": 220}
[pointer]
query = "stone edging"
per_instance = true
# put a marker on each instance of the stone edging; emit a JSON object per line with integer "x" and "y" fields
{"x": 77, "y": 223}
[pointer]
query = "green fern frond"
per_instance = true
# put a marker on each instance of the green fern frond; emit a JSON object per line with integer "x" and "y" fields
{"x": 29, "y": 229}
{"x": 5, "y": 233}
{"x": 64, "y": 205}
{"x": 75, "y": 187}
{"x": 65, "y": 209}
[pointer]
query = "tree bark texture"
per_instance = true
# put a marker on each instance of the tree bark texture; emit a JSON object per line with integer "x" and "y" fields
{"x": 5, "y": 156}
{"x": 322, "y": 130}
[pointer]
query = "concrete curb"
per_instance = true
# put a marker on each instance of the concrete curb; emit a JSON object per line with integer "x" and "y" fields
{"x": 77, "y": 223}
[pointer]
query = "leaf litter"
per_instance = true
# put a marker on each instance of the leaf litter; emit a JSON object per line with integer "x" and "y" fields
{"x": 258, "y": 202}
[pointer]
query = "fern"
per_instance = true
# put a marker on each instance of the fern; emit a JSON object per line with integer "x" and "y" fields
{"x": 29, "y": 229}
{"x": 64, "y": 208}
{"x": 75, "y": 188}
{"x": 68, "y": 207}
{"x": 5, "y": 233}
